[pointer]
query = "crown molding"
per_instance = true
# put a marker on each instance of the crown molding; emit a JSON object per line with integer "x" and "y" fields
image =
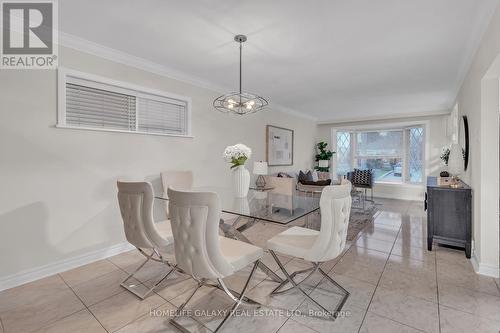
{"x": 473, "y": 46}
{"x": 385, "y": 117}
{"x": 99, "y": 50}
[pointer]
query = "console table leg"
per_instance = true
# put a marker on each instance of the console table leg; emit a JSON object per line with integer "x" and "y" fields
{"x": 467, "y": 250}
{"x": 429, "y": 243}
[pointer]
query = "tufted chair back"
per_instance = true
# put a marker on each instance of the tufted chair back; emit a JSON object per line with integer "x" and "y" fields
{"x": 335, "y": 205}
{"x": 177, "y": 179}
{"x": 136, "y": 207}
{"x": 194, "y": 217}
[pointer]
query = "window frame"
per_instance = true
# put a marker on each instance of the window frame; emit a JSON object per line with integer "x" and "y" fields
{"x": 65, "y": 75}
{"x": 404, "y": 127}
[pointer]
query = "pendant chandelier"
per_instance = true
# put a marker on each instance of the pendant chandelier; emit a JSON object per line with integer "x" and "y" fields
{"x": 240, "y": 103}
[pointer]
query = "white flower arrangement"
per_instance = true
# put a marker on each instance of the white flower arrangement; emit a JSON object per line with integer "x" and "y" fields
{"x": 237, "y": 154}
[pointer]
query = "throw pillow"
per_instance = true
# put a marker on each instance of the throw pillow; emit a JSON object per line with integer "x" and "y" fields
{"x": 361, "y": 177}
{"x": 315, "y": 176}
{"x": 305, "y": 176}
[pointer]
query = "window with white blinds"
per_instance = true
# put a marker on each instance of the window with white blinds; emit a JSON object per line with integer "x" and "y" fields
{"x": 101, "y": 105}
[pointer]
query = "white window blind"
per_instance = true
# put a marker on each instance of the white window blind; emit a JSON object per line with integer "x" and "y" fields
{"x": 168, "y": 117}
{"x": 90, "y": 103}
{"x": 96, "y": 108}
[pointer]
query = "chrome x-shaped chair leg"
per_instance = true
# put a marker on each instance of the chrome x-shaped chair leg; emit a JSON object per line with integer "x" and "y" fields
{"x": 131, "y": 287}
{"x": 237, "y": 298}
{"x": 296, "y": 285}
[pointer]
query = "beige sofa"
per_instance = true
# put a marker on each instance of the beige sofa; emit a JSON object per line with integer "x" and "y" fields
{"x": 288, "y": 186}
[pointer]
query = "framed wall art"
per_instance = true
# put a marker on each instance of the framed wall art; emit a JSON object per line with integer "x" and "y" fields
{"x": 279, "y": 146}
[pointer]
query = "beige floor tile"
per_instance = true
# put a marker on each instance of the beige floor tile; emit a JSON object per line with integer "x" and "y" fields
{"x": 417, "y": 253}
{"x": 157, "y": 322}
{"x": 102, "y": 287}
{"x": 122, "y": 309}
{"x": 365, "y": 256}
{"x": 452, "y": 256}
{"x": 417, "y": 285}
{"x": 412, "y": 241}
{"x": 80, "y": 322}
{"x": 153, "y": 270}
{"x": 454, "y": 321}
{"x": 377, "y": 324}
{"x": 412, "y": 266}
{"x": 88, "y": 272}
{"x": 465, "y": 277}
{"x": 126, "y": 259}
{"x": 263, "y": 320}
{"x": 416, "y": 210}
{"x": 388, "y": 222}
{"x": 412, "y": 311}
{"x": 466, "y": 300}
{"x": 362, "y": 264}
{"x": 360, "y": 292}
{"x": 374, "y": 244}
{"x": 206, "y": 306}
{"x": 367, "y": 273}
{"x": 175, "y": 286}
{"x": 287, "y": 301}
{"x": 36, "y": 304}
{"x": 415, "y": 235}
{"x": 292, "y": 326}
{"x": 380, "y": 232}
{"x": 348, "y": 321}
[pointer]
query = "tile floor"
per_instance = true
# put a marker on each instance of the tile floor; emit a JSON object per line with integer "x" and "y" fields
{"x": 396, "y": 285}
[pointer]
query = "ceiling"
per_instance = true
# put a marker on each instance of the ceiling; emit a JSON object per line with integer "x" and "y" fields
{"x": 332, "y": 60}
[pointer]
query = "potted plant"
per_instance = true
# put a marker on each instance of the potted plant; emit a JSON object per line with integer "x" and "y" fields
{"x": 323, "y": 157}
{"x": 237, "y": 155}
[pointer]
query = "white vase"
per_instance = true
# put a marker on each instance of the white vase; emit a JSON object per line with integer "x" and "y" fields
{"x": 241, "y": 181}
{"x": 456, "y": 160}
{"x": 323, "y": 163}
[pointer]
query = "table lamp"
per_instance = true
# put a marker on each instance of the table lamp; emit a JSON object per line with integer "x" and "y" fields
{"x": 260, "y": 169}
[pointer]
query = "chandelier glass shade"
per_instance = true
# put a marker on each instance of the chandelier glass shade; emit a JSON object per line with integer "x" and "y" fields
{"x": 240, "y": 103}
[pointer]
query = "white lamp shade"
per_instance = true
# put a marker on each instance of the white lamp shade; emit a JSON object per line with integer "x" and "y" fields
{"x": 260, "y": 168}
{"x": 455, "y": 160}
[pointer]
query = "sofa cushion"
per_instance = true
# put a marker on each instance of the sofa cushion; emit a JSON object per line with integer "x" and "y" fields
{"x": 317, "y": 183}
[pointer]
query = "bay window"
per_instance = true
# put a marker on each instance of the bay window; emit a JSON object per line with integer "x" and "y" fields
{"x": 395, "y": 155}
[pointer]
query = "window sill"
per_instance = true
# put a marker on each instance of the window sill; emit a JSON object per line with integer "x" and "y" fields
{"x": 120, "y": 131}
{"x": 409, "y": 185}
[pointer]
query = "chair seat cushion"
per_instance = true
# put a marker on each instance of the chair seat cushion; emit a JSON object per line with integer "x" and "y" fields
{"x": 239, "y": 254}
{"x": 295, "y": 241}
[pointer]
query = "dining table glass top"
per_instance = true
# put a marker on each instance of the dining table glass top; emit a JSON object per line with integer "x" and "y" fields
{"x": 262, "y": 205}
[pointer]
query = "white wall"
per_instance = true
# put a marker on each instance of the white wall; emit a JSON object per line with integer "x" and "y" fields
{"x": 58, "y": 197}
{"x": 478, "y": 99}
{"x": 437, "y": 137}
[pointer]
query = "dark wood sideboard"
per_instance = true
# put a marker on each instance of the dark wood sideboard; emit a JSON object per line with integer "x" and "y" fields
{"x": 449, "y": 215}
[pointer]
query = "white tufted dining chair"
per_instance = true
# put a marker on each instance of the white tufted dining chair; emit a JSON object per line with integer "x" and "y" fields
{"x": 201, "y": 252}
{"x": 317, "y": 246}
{"x": 177, "y": 179}
{"x": 136, "y": 208}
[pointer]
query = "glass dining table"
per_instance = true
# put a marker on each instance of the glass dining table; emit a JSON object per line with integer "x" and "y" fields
{"x": 269, "y": 206}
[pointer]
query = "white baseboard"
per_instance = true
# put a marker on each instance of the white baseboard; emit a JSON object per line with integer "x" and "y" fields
{"x": 33, "y": 274}
{"x": 484, "y": 269}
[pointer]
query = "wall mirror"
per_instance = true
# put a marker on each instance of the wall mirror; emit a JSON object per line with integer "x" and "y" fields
{"x": 464, "y": 140}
